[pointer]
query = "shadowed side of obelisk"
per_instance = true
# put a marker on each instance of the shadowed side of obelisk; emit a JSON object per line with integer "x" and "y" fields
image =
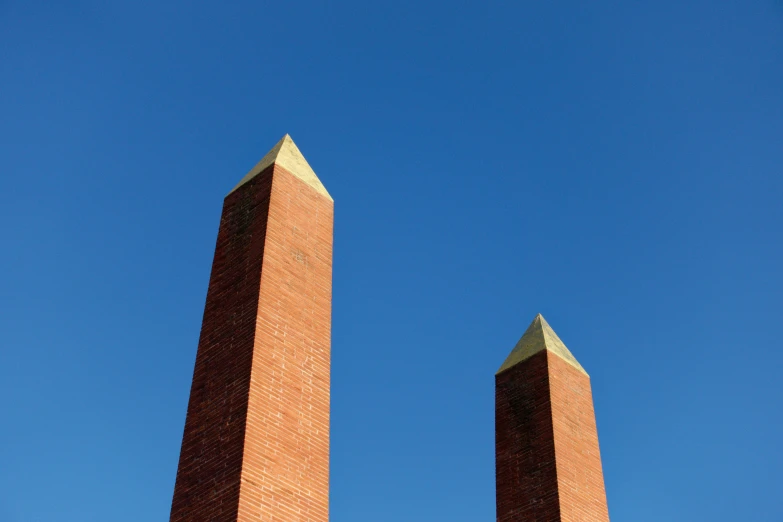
{"x": 208, "y": 477}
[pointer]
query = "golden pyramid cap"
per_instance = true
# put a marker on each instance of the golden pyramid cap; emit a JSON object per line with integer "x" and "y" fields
{"x": 287, "y": 155}
{"x": 538, "y": 337}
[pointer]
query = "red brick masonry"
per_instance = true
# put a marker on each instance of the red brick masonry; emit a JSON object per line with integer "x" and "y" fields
{"x": 256, "y": 440}
{"x": 548, "y": 466}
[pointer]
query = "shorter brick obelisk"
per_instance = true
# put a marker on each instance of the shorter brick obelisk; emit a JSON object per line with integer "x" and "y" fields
{"x": 547, "y": 462}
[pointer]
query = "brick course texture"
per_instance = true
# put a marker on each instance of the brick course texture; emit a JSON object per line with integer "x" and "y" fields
{"x": 256, "y": 439}
{"x": 548, "y": 466}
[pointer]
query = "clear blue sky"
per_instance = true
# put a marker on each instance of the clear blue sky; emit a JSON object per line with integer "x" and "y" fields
{"x": 614, "y": 165}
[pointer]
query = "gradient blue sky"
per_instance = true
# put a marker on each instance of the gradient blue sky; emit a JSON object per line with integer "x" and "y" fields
{"x": 614, "y": 165}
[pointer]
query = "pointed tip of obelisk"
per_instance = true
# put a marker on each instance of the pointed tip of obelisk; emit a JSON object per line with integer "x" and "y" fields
{"x": 539, "y": 336}
{"x": 287, "y": 155}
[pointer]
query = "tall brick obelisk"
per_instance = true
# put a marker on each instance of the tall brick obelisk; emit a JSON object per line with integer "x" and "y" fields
{"x": 256, "y": 441}
{"x": 547, "y": 463}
